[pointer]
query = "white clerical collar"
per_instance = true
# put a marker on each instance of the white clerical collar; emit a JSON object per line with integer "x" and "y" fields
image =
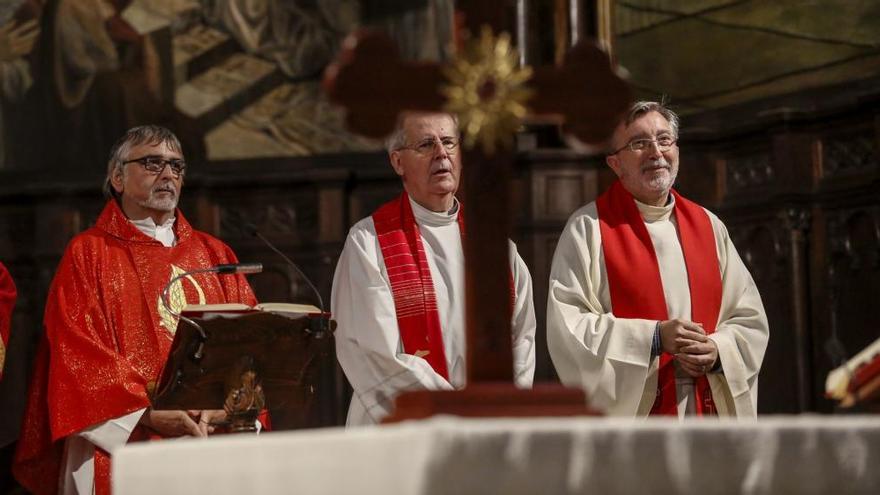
{"x": 653, "y": 214}
{"x": 430, "y": 218}
{"x": 163, "y": 233}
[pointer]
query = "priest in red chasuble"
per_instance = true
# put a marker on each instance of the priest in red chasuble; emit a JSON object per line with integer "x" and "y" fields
{"x": 398, "y": 292}
{"x": 107, "y": 333}
{"x": 650, "y": 308}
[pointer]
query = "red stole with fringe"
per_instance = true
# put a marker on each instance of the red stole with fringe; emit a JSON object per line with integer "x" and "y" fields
{"x": 411, "y": 284}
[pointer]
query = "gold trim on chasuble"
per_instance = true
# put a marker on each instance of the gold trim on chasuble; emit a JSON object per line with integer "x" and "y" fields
{"x": 176, "y": 299}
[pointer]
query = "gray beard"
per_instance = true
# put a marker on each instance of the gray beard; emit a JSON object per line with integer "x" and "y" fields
{"x": 159, "y": 204}
{"x": 662, "y": 183}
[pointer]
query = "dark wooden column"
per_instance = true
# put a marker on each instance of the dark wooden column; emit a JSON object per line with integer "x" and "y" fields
{"x": 797, "y": 221}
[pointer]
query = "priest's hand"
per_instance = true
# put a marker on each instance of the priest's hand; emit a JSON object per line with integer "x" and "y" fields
{"x": 698, "y": 358}
{"x": 209, "y": 420}
{"x": 172, "y": 423}
{"x": 678, "y": 333}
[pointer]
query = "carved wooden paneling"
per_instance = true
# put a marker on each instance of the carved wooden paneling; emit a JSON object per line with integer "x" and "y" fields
{"x": 854, "y": 237}
{"x": 763, "y": 245}
{"x": 16, "y": 231}
{"x": 558, "y": 192}
{"x": 853, "y": 279}
{"x": 763, "y": 250}
{"x": 556, "y": 187}
{"x": 539, "y": 258}
{"x": 749, "y": 172}
{"x": 332, "y": 224}
{"x": 564, "y": 194}
{"x": 32, "y": 282}
{"x": 277, "y": 282}
{"x": 291, "y": 218}
{"x": 851, "y": 153}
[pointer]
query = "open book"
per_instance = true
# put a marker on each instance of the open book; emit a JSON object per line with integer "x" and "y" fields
{"x": 289, "y": 308}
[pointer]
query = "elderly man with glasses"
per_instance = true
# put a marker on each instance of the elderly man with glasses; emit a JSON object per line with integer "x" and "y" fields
{"x": 398, "y": 292}
{"x": 107, "y": 333}
{"x": 650, "y": 308}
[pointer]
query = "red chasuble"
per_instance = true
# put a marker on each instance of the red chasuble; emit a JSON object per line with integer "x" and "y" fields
{"x": 634, "y": 277}
{"x": 107, "y": 335}
{"x": 8, "y": 296}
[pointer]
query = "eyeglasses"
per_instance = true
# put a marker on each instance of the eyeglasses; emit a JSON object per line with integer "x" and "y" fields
{"x": 427, "y": 146}
{"x": 156, "y": 164}
{"x": 636, "y": 145}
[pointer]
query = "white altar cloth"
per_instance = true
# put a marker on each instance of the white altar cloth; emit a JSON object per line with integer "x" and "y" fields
{"x": 446, "y": 455}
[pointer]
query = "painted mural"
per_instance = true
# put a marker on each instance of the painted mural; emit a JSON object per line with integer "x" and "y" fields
{"x": 236, "y": 79}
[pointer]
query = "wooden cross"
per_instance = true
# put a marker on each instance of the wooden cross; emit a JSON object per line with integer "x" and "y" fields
{"x": 584, "y": 94}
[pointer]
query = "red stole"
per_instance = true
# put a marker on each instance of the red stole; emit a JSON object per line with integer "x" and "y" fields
{"x": 8, "y": 296}
{"x": 411, "y": 285}
{"x": 634, "y": 277}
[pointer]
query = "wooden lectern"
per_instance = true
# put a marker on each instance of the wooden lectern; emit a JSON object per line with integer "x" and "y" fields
{"x": 243, "y": 362}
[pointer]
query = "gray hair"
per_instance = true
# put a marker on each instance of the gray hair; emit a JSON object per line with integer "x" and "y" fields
{"x": 397, "y": 139}
{"x": 640, "y": 108}
{"x": 145, "y": 134}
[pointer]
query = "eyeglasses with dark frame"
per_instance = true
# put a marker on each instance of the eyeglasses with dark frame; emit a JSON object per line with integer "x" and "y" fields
{"x": 156, "y": 164}
{"x": 426, "y": 147}
{"x": 636, "y": 145}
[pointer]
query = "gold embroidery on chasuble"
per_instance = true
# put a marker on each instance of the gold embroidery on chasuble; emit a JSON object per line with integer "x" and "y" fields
{"x": 177, "y": 299}
{"x": 2, "y": 355}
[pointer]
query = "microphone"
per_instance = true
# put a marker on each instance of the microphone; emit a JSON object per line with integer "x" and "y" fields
{"x": 252, "y": 230}
{"x": 242, "y": 268}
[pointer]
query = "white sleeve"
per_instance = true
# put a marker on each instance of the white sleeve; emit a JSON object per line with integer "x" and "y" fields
{"x": 609, "y": 357}
{"x": 112, "y": 433}
{"x": 367, "y": 336}
{"x": 78, "y": 474}
{"x": 742, "y": 332}
{"x": 523, "y": 324}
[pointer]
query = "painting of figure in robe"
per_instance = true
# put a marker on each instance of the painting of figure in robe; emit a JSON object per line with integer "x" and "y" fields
{"x": 19, "y": 30}
{"x": 236, "y": 79}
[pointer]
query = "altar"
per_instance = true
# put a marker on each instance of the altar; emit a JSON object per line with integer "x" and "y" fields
{"x": 776, "y": 455}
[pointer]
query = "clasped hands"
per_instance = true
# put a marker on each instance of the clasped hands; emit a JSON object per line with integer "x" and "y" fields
{"x": 183, "y": 423}
{"x": 687, "y": 342}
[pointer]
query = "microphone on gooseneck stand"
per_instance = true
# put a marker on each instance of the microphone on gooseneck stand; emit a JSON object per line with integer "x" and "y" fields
{"x": 322, "y": 322}
{"x": 242, "y": 268}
